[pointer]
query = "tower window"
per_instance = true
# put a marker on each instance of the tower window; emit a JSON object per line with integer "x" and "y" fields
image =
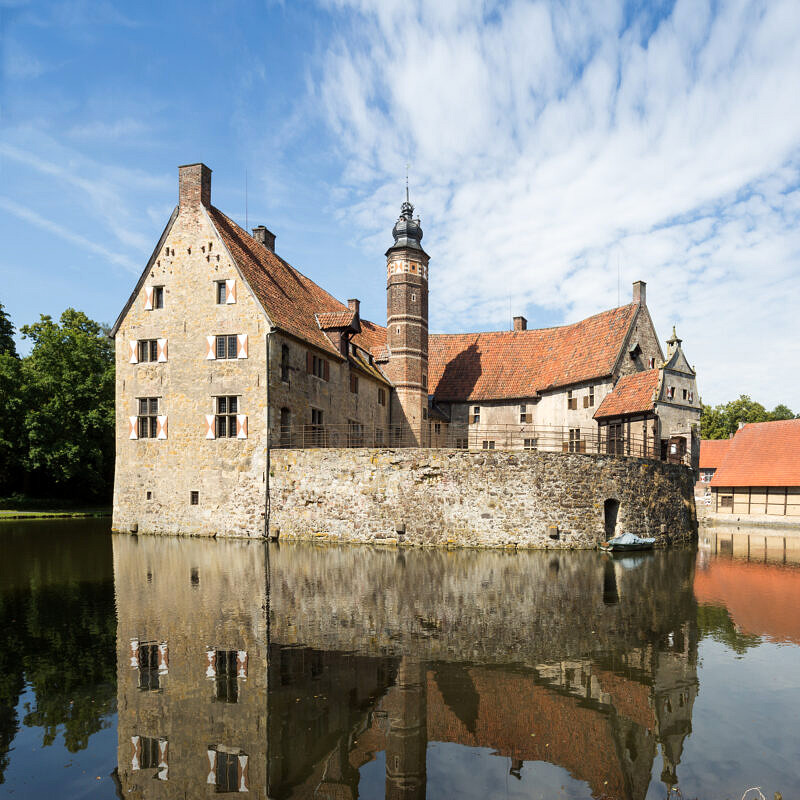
{"x": 413, "y": 297}
{"x": 424, "y": 381}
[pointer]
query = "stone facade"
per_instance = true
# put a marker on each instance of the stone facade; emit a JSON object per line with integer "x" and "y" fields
{"x": 487, "y": 499}
{"x": 217, "y": 318}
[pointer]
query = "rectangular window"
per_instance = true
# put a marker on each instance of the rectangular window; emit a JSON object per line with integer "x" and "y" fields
{"x": 227, "y": 772}
{"x": 524, "y": 415}
{"x": 670, "y": 392}
{"x": 651, "y": 363}
{"x": 461, "y": 444}
{"x": 424, "y": 413}
{"x": 572, "y": 402}
{"x": 227, "y": 409}
{"x": 588, "y": 401}
{"x": 148, "y": 667}
{"x": 355, "y": 434}
{"x": 353, "y": 383}
{"x": 488, "y": 444}
{"x": 226, "y": 346}
{"x": 221, "y": 293}
{"x": 194, "y": 498}
{"x": 437, "y": 428}
{"x": 424, "y": 381}
{"x": 529, "y": 444}
{"x": 148, "y": 350}
{"x": 576, "y": 444}
{"x": 381, "y": 397}
{"x": 476, "y": 414}
{"x": 148, "y": 417}
{"x": 285, "y": 363}
{"x": 691, "y": 397}
{"x": 316, "y": 429}
{"x": 226, "y": 679}
{"x": 317, "y": 366}
{"x": 158, "y": 297}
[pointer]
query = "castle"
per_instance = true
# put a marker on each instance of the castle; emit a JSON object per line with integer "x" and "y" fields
{"x": 224, "y": 352}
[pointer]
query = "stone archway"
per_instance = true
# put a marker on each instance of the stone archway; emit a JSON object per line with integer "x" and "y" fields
{"x": 610, "y": 514}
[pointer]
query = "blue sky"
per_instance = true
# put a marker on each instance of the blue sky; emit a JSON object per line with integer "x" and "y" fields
{"x": 556, "y": 151}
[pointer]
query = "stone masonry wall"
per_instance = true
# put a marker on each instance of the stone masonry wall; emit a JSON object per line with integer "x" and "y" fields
{"x": 484, "y": 499}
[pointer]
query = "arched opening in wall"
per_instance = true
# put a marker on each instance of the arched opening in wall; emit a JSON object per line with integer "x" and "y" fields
{"x": 611, "y": 511}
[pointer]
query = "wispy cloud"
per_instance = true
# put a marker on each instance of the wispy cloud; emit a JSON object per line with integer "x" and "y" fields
{"x": 30, "y": 216}
{"x": 552, "y": 144}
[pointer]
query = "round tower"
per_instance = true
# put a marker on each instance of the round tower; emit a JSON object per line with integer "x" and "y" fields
{"x": 407, "y": 328}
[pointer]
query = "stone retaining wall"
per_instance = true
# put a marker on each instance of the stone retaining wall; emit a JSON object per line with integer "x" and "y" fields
{"x": 485, "y": 499}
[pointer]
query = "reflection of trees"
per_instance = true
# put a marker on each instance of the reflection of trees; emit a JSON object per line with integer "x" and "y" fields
{"x": 59, "y": 628}
{"x": 715, "y": 621}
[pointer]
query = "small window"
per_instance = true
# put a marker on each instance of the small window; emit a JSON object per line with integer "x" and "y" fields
{"x": 691, "y": 397}
{"x": 461, "y": 444}
{"x": 158, "y": 297}
{"x": 148, "y": 667}
{"x": 413, "y": 297}
{"x": 488, "y": 444}
{"x": 148, "y": 417}
{"x": 424, "y": 381}
{"x": 576, "y": 444}
{"x": 227, "y": 772}
{"x": 476, "y": 414}
{"x": 222, "y": 293}
{"x": 529, "y": 444}
{"x": 285, "y": 363}
{"x": 591, "y": 396}
{"x": 149, "y": 756}
{"x": 318, "y": 366}
{"x": 227, "y": 681}
{"x": 685, "y": 394}
{"x": 524, "y": 414}
{"x": 316, "y": 416}
{"x": 437, "y": 428}
{"x": 148, "y": 350}
{"x": 353, "y": 383}
{"x": 149, "y": 495}
{"x": 424, "y": 413}
{"x": 194, "y": 576}
{"x": 651, "y": 363}
{"x": 397, "y": 330}
{"x": 381, "y": 397}
{"x": 572, "y": 402}
{"x": 227, "y": 346}
{"x": 194, "y": 498}
{"x": 670, "y": 392}
{"x": 227, "y": 409}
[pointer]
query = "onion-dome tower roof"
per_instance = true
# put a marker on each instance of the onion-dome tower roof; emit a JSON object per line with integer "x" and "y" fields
{"x": 407, "y": 231}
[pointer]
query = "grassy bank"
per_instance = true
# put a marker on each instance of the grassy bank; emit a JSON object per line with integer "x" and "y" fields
{"x": 22, "y": 507}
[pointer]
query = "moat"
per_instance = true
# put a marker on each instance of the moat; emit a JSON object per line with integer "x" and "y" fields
{"x": 160, "y": 667}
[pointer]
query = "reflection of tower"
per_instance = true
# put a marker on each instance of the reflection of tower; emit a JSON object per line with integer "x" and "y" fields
{"x": 407, "y": 737}
{"x": 676, "y": 688}
{"x": 407, "y": 327}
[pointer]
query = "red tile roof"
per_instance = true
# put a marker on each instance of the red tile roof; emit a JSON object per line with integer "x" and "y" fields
{"x": 290, "y": 298}
{"x": 712, "y": 451}
{"x": 633, "y": 394}
{"x": 467, "y": 367}
{"x": 372, "y": 338}
{"x": 762, "y": 454}
{"x": 336, "y": 319}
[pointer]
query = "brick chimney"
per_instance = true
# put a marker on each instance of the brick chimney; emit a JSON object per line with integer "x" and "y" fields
{"x": 265, "y": 236}
{"x": 355, "y": 305}
{"x": 640, "y": 293}
{"x": 194, "y": 185}
{"x": 520, "y": 324}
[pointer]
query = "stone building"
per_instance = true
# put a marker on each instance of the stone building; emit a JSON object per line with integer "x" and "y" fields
{"x": 225, "y": 351}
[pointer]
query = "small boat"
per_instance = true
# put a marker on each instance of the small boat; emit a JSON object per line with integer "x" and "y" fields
{"x": 627, "y": 542}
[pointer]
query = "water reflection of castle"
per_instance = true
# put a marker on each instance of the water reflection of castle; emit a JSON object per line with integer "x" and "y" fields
{"x": 283, "y": 672}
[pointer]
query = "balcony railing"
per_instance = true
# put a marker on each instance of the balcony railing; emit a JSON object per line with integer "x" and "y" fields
{"x": 463, "y": 437}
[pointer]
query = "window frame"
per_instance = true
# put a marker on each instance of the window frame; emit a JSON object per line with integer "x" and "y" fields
{"x": 488, "y": 444}
{"x": 227, "y": 340}
{"x": 285, "y": 363}
{"x": 158, "y": 297}
{"x": 147, "y": 351}
{"x": 221, "y": 291}
{"x": 226, "y": 409}
{"x": 147, "y": 417}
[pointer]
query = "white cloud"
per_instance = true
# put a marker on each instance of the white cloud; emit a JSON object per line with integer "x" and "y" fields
{"x": 549, "y": 141}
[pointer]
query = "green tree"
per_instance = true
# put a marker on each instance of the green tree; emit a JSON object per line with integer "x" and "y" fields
{"x": 723, "y": 420}
{"x": 6, "y": 334}
{"x": 11, "y": 403}
{"x": 68, "y": 386}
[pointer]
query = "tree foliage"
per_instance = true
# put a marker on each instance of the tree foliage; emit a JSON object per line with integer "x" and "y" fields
{"x": 57, "y": 433}
{"x": 721, "y": 421}
{"x": 6, "y": 334}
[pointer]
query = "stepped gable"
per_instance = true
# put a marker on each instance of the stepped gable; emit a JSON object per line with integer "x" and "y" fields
{"x": 633, "y": 394}
{"x": 292, "y": 301}
{"x": 468, "y": 367}
{"x": 712, "y": 452}
{"x": 762, "y": 454}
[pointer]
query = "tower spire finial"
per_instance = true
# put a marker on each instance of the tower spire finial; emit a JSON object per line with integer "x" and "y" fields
{"x": 407, "y": 200}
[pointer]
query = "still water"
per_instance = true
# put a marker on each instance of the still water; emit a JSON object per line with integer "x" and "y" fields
{"x": 162, "y": 668}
